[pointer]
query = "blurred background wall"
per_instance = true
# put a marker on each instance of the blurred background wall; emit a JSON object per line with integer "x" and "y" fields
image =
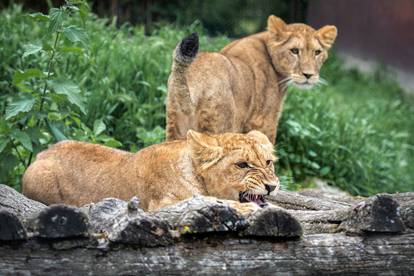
{"x": 371, "y": 32}
{"x": 234, "y": 18}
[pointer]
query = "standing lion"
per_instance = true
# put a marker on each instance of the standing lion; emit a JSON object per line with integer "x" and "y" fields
{"x": 242, "y": 87}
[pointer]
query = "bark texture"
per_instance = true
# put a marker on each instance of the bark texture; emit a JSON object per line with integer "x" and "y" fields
{"x": 300, "y": 235}
{"x": 314, "y": 254}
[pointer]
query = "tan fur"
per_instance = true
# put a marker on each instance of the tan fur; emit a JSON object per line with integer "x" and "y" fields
{"x": 242, "y": 87}
{"x": 78, "y": 173}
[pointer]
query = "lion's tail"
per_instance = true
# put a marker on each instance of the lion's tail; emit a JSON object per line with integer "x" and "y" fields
{"x": 183, "y": 55}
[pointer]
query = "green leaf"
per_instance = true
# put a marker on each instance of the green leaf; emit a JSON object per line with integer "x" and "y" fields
{"x": 56, "y": 20}
{"x": 54, "y": 116}
{"x": 71, "y": 91}
{"x": 38, "y": 16}
{"x": 20, "y": 76}
{"x": 8, "y": 162}
{"x": 83, "y": 11}
{"x": 23, "y": 138}
{"x": 314, "y": 165}
{"x": 3, "y": 144}
{"x": 113, "y": 143}
{"x": 325, "y": 170}
{"x": 47, "y": 47}
{"x": 30, "y": 49}
{"x": 75, "y": 50}
{"x": 98, "y": 127}
{"x": 75, "y": 34}
{"x": 35, "y": 134}
{"x": 15, "y": 108}
{"x": 59, "y": 136}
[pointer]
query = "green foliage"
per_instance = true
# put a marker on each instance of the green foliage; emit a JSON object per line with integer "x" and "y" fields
{"x": 70, "y": 75}
{"x": 356, "y": 132}
{"x": 42, "y": 102}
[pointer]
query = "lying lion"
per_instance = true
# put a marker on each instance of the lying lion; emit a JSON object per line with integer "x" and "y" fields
{"x": 242, "y": 87}
{"x": 229, "y": 166}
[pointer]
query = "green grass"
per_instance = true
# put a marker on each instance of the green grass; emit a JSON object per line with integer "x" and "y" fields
{"x": 356, "y": 132}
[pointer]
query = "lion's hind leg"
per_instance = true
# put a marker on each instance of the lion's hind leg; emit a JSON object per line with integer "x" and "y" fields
{"x": 41, "y": 182}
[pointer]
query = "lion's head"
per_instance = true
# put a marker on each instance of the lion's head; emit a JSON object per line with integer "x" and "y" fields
{"x": 235, "y": 166}
{"x": 298, "y": 51}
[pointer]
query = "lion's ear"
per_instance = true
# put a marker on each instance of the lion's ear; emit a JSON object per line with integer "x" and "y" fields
{"x": 275, "y": 24}
{"x": 205, "y": 148}
{"x": 327, "y": 35}
{"x": 278, "y": 28}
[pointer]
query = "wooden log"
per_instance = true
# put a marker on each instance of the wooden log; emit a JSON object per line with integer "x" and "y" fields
{"x": 407, "y": 215}
{"x": 292, "y": 200}
{"x": 331, "y": 216}
{"x": 123, "y": 222}
{"x": 273, "y": 222}
{"x": 314, "y": 254}
{"x": 259, "y": 242}
{"x": 331, "y": 194}
{"x": 60, "y": 221}
{"x": 314, "y": 222}
{"x": 11, "y": 228}
{"x": 142, "y": 230}
{"x": 103, "y": 215}
{"x": 379, "y": 213}
{"x": 318, "y": 213}
{"x": 16, "y": 203}
{"x": 319, "y": 228}
{"x": 404, "y": 199}
{"x": 201, "y": 215}
{"x": 194, "y": 216}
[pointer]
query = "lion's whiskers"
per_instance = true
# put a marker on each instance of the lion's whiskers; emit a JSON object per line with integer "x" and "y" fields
{"x": 322, "y": 81}
{"x": 285, "y": 82}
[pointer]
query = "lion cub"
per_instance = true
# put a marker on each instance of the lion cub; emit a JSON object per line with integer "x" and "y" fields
{"x": 242, "y": 87}
{"x": 228, "y": 166}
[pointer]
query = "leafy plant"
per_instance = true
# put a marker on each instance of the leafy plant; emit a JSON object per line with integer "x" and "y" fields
{"x": 47, "y": 105}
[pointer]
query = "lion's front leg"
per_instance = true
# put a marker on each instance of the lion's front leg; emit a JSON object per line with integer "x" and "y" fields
{"x": 155, "y": 205}
{"x": 244, "y": 209}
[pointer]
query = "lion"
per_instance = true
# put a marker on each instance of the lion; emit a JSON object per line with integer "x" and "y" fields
{"x": 242, "y": 87}
{"x": 230, "y": 166}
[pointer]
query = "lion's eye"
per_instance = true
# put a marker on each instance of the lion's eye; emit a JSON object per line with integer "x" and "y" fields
{"x": 317, "y": 52}
{"x": 295, "y": 51}
{"x": 242, "y": 165}
{"x": 269, "y": 162}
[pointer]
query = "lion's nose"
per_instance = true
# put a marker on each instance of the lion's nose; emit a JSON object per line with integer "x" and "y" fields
{"x": 270, "y": 188}
{"x": 307, "y": 75}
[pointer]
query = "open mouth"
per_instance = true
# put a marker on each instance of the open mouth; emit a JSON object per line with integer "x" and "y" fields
{"x": 258, "y": 199}
{"x": 304, "y": 85}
